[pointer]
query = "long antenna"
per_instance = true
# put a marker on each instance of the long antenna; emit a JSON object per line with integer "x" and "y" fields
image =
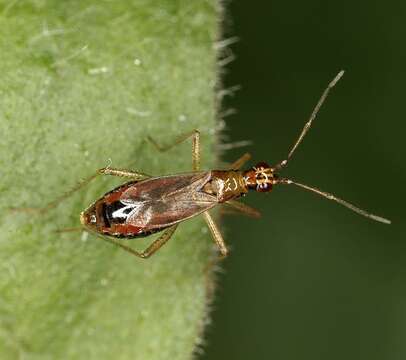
{"x": 336, "y": 199}
{"x": 309, "y": 122}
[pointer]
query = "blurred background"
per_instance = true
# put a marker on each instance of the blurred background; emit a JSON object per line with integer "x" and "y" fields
{"x": 311, "y": 279}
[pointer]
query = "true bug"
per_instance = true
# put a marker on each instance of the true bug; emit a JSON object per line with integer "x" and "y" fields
{"x": 146, "y": 205}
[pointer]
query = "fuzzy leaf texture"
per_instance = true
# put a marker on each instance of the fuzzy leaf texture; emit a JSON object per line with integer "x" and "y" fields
{"x": 82, "y": 83}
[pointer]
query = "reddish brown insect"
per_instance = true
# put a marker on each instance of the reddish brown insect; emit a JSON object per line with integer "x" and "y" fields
{"x": 147, "y": 205}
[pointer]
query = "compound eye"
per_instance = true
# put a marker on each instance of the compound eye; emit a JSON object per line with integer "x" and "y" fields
{"x": 264, "y": 187}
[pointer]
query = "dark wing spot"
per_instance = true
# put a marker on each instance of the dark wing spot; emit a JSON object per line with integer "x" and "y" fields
{"x": 110, "y": 209}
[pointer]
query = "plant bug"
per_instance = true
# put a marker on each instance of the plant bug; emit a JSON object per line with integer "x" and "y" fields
{"x": 147, "y": 205}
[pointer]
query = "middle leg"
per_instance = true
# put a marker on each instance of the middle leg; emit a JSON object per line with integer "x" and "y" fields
{"x": 218, "y": 238}
{"x": 195, "y": 134}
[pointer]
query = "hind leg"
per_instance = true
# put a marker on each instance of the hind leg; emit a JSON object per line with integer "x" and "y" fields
{"x": 150, "y": 250}
{"x": 104, "y": 171}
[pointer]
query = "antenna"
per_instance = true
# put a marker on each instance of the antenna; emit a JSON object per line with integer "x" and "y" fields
{"x": 336, "y": 199}
{"x": 312, "y": 117}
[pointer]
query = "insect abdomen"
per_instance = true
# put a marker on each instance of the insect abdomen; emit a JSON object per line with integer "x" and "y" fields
{"x": 115, "y": 216}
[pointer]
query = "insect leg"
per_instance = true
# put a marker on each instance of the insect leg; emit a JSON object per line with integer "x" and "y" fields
{"x": 218, "y": 238}
{"x": 195, "y": 146}
{"x": 58, "y": 200}
{"x": 158, "y": 243}
{"x": 150, "y": 250}
{"x": 72, "y": 229}
{"x": 123, "y": 173}
{"x": 243, "y": 208}
{"x": 80, "y": 185}
{"x": 240, "y": 162}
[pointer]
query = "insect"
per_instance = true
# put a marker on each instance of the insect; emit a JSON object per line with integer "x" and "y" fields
{"x": 146, "y": 205}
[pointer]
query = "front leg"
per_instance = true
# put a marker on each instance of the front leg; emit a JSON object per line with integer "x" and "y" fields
{"x": 240, "y": 162}
{"x": 243, "y": 208}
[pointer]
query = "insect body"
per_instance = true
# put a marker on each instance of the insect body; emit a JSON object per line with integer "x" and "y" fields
{"x": 146, "y": 205}
{"x": 140, "y": 208}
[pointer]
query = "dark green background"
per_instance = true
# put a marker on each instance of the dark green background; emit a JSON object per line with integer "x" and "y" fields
{"x": 310, "y": 279}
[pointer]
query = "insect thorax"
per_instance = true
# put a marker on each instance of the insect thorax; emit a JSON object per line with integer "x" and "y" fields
{"x": 226, "y": 185}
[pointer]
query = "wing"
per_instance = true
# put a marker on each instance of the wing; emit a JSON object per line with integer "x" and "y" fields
{"x": 156, "y": 203}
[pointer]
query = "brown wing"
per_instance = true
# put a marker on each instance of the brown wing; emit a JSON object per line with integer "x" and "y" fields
{"x": 157, "y": 203}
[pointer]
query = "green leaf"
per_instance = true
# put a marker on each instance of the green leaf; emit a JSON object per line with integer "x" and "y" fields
{"x": 82, "y": 83}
